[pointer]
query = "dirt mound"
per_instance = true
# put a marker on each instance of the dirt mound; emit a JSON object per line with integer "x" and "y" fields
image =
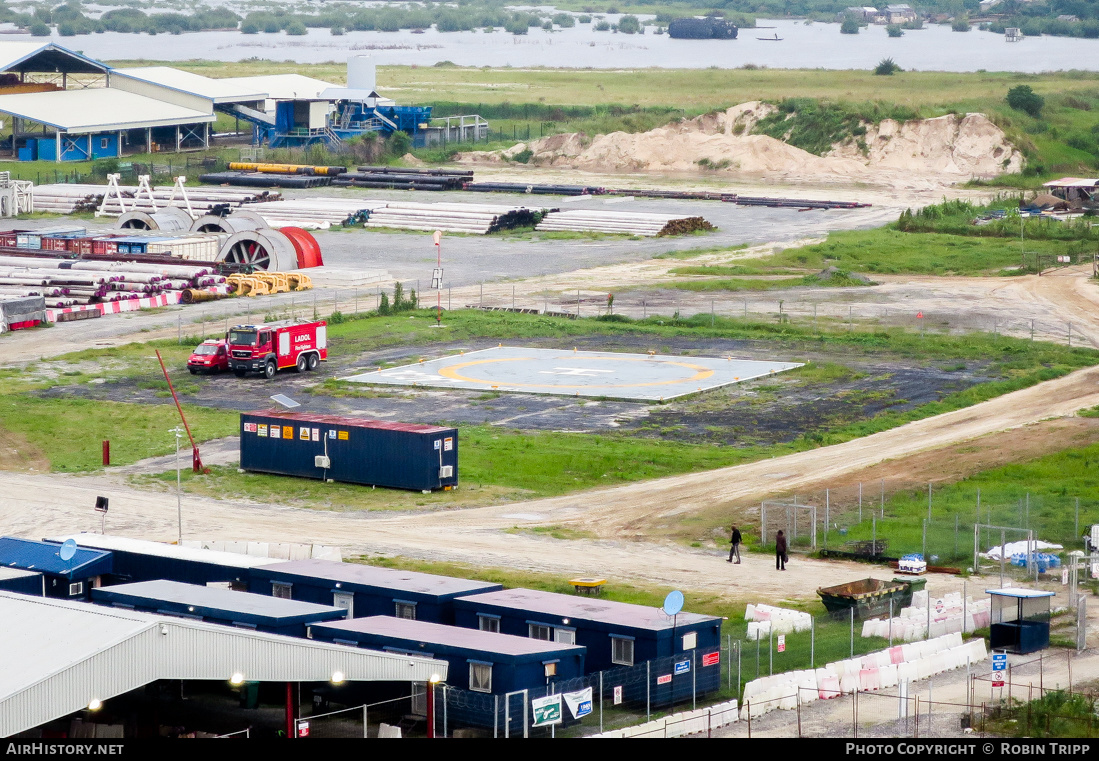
{"x": 922, "y": 152}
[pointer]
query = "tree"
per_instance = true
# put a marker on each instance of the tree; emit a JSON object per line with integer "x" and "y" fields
{"x": 1023, "y": 98}
{"x": 849, "y": 26}
{"x": 894, "y": 30}
{"x": 887, "y": 67}
{"x": 629, "y": 25}
{"x": 39, "y": 29}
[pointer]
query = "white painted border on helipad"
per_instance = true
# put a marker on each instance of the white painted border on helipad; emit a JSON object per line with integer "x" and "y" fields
{"x": 427, "y": 374}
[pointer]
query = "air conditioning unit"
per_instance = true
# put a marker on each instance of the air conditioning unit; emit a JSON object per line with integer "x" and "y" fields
{"x": 322, "y": 461}
{"x": 446, "y": 471}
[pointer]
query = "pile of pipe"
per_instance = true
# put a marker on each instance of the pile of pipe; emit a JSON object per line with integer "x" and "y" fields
{"x": 477, "y": 219}
{"x": 766, "y": 618}
{"x": 874, "y": 671}
{"x": 792, "y": 203}
{"x": 263, "y": 175}
{"x": 403, "y": 178}
{"x": 67, "y": 282}
{"x": 621, "y": 223}
{"x": 947, "y": 614}
{"x": 67, "y": 198}
{"x": 316, "y": 213}
{"x": 522, "y": 187}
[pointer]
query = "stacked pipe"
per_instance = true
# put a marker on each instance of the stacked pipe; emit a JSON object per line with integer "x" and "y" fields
{"x": 66, "y": 198}
{"x": 265, "y": 180}
{"x": 451, "y": 217}
{"x": 521, "y": 187}
{"x": 621, "y": 223}
{"x": 303, "y": 169}
{"x": 315, "y": 213}
{"x": 65, "y": 282}
{"x": 792, "y": 203}
{"x": 402, "y": 178}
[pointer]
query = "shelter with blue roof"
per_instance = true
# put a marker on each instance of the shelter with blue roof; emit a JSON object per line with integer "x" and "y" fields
{"x": 67, "y": 579}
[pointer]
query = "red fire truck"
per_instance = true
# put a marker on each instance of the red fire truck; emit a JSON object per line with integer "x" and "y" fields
{"x": 277, "y": 346}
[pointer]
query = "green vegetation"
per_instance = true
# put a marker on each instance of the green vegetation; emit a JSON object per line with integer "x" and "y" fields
{"x": 1056, "y": 714}
{"x": 1039, "y": 493}
{"x": 816, "y": 126}
{"x": 1023, "y": 98}
{"x": 839, "y": 279}
{"x": 887, "y": 67}
{"x": 849, "y": 26}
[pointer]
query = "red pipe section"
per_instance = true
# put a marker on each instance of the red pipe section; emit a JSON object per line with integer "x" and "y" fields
{"x": 106, "y": 452}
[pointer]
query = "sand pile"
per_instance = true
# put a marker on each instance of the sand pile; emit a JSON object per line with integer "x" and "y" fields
{"x": 917, "y": 153}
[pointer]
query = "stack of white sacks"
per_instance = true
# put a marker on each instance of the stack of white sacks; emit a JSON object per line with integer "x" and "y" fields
{"x": 874, "y": 671}
{"x": 680, "y": 724}
{"x": 948, "y": 615}
{"x": 763, "y": 618}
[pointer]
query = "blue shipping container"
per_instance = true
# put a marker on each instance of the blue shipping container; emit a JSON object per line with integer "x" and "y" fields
{"x": 351, "y": 450}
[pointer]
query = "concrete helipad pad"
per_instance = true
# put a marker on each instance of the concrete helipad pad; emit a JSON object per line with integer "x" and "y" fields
{"x": 576, "y": 373}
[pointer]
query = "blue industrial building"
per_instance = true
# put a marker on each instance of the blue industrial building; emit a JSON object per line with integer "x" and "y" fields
{"x": 479, "y": 661}
{"x": 141, "y": 560}
{"x": 218, "y": 606}
{"x": 365, "y": 590}
{"x": 616, "y": 634}
{"x": 68, "y": 579}
{"x": 23, "y": 582}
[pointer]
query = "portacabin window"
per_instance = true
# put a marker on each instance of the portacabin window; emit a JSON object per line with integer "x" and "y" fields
{"x": 540, "y": 631}
{"x": 488, "y": 623}
{"x": 480, "y": 676}
{"x": 564, "y": 636}
{"x": 622, "y": 651}
{"x": 280, "y": 590}
{"x": 404, "y": 609}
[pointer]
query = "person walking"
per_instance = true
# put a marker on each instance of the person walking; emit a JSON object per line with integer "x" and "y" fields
{"x": 735, "y": 549}
{"x": 780, "y": 551}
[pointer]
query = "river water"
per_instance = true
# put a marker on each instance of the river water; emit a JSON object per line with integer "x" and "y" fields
{"x": 802, "y": 46}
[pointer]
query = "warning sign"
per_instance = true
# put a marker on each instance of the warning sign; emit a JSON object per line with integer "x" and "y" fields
{"x": 781, "y": 643}
{"x": 316, "y": 433}
{"x": 303, "y": 434}
{"x": 618, "y": 695}
{"x": 448, "y": 444}
{"x": 711, "y": 659}
{"x": 288, "y": 431}
{"x": 249, "y": 427}
{"x": 276, "y": 432}
{"x": 342, "y": 435}
{"x": 262, "y": 429}
{"x": 664, "y": 679}
{"x": 997, "y": 682}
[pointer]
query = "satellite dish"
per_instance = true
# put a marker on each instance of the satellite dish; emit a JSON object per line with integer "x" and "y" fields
{"x": 68, "y": 550}
{"x": 284, "y": 401}
{"x": 673, "y": 603}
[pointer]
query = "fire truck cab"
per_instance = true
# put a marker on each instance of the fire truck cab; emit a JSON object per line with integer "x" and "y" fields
{"x": 271, "y": 347}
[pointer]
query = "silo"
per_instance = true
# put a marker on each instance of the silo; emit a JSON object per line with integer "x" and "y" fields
{"x": 361, "y": 74}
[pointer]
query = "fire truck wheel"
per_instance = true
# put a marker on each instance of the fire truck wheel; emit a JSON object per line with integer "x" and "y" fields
{"x": 303, "y": 363}
{"x": 269, "y": 370}
{"x": 313, "y": 361}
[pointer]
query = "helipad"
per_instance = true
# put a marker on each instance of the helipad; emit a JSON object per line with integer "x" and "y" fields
{"x": 648, "y": 377}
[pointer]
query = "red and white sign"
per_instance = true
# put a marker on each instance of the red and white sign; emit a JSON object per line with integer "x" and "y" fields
{"x": 711, "y": 659}
{"x": 665, "y": 679}
{"x": 782, "y": 643}
{"x": 919, "y": 315}
{"x": 618, "y": 695}
{"x": 250, "y": 427}
{"x": 997, "y": 682}
{"x": 303, "y": 729}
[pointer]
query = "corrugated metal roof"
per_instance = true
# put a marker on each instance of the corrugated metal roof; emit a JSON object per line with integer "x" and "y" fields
{"x": 98, "y": 110}
{"x": 282, "y": 86}
{"x": 440, "y": 634}
{"x": 375, "y": 576}
{"x": 218, "y": 90}
{"x": 18, "y": 55}
{"x": 212, "y": 600}
{"x": 175, "y": 552}
{"x": 16, "y": 573}
{"x": 1071, "y": 182}
{"x": 352, "y": 422}
{"x": 59, "y": 656}
{"x": 552, "y": 604}
{"x": 45, "y": 556}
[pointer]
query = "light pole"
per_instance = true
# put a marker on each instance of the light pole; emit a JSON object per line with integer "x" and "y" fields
{"x": 179, "y": 500}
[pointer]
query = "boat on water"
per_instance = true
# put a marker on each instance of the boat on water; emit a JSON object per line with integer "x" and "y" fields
{"x": 776, "y": 38}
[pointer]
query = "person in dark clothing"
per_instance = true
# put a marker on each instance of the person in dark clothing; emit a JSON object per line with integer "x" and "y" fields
{"x": 735, "y": 549}
{"x": 780, "y": 551}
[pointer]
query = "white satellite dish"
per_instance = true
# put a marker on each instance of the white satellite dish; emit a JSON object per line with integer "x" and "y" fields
{"x": 68, "y": 550}
{"x": 284, "y": 401}
{"x": 673, "y": 603}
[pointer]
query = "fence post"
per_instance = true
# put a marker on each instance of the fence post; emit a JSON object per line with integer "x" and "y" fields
{"x": 855, "y": 713}
{"x": 812, "y": 642}
{"x": 748, "y": 706}
{"x": 366, "y": 722}
{"x": 799, "y": 711}
{"x": 600, "y": 702}
{"x": 852, "y": 609}
{"x": 694, "y": 681}
{"x": 771, "y": 650}
{"x": 495, "y": 716}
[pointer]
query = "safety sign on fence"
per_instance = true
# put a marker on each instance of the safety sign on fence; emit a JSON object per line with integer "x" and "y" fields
{"x": 617, "y": 695}
{"x": 782, "y": 643}
{"x": 999, "y": 661}
{"x": 682, "y": 667}
{"x": 547, "y": 710}
{"x": 579, "y": 702}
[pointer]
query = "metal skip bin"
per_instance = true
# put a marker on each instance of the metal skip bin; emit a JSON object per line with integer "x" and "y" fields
{"x": 350, "y": 450}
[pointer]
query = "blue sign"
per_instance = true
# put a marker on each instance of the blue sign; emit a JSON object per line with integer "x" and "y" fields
{"x": 583, "y": 709}
{"x": 999, "y": 661}
{"x": 682, "y": 667}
